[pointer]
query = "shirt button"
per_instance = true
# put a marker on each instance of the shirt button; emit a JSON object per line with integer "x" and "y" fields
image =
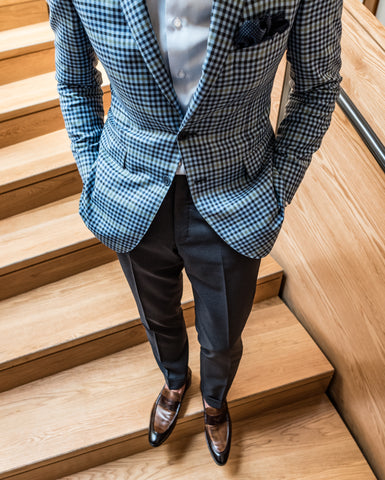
{"x": 177, "y": 23}
{"x": 167, "y": 180}
{"x": 181, "y": 74}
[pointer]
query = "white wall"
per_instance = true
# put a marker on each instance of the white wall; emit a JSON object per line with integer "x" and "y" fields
{"x": 381, "y": 11}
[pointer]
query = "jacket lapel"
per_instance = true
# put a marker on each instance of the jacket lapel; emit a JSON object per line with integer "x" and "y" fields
{"x": 225, "y": 16}
{"x": 138, "y": 19}
{"x": 224, "y": 20}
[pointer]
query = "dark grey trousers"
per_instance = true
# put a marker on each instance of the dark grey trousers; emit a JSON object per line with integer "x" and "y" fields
{"x": 223, "y": 283}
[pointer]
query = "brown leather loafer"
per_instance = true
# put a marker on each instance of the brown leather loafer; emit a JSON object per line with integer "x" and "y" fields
{"x": 218, "y": 432}
{"x": 165, "y": 412}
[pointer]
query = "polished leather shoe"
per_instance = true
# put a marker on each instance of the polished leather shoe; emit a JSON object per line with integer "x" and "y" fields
{"x": 165, "y": 412}
{"x": 218, "y": 432}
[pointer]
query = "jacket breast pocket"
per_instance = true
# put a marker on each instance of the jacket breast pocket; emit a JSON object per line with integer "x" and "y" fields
{"x": 249, "y": 67}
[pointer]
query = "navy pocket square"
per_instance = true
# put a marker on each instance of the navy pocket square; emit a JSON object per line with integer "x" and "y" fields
{"x": 255, "y": 31}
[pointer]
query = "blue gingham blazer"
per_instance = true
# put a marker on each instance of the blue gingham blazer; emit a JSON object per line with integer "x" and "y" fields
{"x": 241, "y": 175}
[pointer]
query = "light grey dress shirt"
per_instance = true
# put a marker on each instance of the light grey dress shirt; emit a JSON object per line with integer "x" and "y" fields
{"x": 182, "y": 30}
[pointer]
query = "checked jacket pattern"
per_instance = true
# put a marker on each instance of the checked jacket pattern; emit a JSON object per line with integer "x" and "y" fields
{"x": 241, "y": 175}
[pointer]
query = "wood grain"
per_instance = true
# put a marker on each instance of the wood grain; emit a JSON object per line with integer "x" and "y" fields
{"x": 85, "y": 305}
{"x": 67, "y": 412}
{"x": 36, "y": 172}
{"x": 367, "y": 20}
{"x": 27, "y": 65}
{"x": 37, "y": 235}
{"x": 83, "y": 317}
{"x": 14, "y": 14}
{"x": 36, "y": 124}
{"x": 34, "y": 160}
{"x": 306, "y": 440}
{"x": 31, "y": 108}
{"x": 30, "y": 38}
{"x": 54, "y": 268}
{"x": 40, "y": 193}
{"x": 31, "y": 95}
{"x": 30, "y": 126}
{"x": 26, "y": 52}
{"x": 333, "y": 253}
{"x": 363, "y": 72}
{"x": 371, "y": 5}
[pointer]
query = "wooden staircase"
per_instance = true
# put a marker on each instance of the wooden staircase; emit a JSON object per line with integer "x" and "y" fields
{"x": 77, "y": 377}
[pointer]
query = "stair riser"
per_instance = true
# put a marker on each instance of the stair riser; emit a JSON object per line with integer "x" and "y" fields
{"x": 124, "y": 446}
{"x": 27, "y": 65}
{"x": 87, "y": 349}
{"x": 39, "y": 193}
{"x": 21, "y": 14}
{"x": 62, "y": 265}
{"x": 70, "y": 354}
{"x": 45, "y": 118}
{"x": 36, "y": 271}
{"x": 268, "y": 288}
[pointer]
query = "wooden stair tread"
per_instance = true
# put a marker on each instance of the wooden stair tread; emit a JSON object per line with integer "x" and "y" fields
{"x": 16, "y": 13}
{"x": 306, "y": 440}
{"x": 33, "y": 94}
{"x": 39, "y": 234}
{"x": 22, "y": 40}
{"x": 104, "y": 401}
{"x": 78, "y": 308}
{"x": 37, "y": 159}
{"x": 33, "y": 160}
{"x": 42, "y": 233}
{"x": 6, "y": 3}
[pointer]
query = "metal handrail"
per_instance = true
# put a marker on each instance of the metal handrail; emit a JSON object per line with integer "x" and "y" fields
{"x": 364, "y": 130}
{"x": 355, "y": 117}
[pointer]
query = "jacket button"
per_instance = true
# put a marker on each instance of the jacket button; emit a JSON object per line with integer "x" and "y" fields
{"x": 183, "y": 136}
{"x": 167, "y": 180}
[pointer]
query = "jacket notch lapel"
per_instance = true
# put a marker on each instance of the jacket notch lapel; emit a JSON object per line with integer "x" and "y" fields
{"x": 224, "y": 20}
{"x": 138, "y": 19}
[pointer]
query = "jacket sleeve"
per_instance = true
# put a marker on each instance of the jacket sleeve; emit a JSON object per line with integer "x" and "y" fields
{"x": 78, "y": 84}
{"x": 314, "y": 52}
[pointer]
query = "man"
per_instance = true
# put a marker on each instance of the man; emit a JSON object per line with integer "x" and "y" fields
{"x": 186, "y": 171}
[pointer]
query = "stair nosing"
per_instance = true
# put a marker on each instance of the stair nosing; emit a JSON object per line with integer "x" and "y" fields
{"x": 312, "y": 375}
{"x": 25, "y": 47}
{"x": 81, "y": 340}
{"x": 21, "y": 51}
{"x": 66, "y": 344}
{"x": 35, "y": 106}
{"x": 47, "y": 256}
{"x": 37, "y": 178}
{"x": 185, "y": 419}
